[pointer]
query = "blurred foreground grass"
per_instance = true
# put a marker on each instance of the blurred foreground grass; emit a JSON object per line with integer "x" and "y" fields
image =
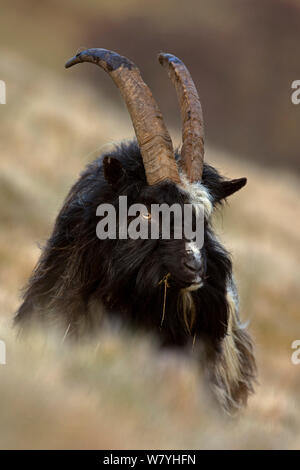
{"x": 118, "y": 391}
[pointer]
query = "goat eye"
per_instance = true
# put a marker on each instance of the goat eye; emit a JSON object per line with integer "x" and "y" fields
{"x": 146, "y": 216}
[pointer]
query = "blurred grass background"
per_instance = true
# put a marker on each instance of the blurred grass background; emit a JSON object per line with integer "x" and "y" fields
{"x": 119, "y": 392}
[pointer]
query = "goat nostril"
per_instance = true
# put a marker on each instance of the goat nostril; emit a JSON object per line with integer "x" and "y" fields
{"x": 192, "y": 266}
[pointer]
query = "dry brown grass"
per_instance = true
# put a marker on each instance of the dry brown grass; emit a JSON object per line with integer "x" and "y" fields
{"x": 119, "y": 392}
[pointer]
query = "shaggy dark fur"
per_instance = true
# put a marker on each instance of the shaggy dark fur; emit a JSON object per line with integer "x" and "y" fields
{"x": 79, "y": 278}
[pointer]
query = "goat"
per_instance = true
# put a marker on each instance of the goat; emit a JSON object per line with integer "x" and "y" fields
{"x": 184, "y": 294}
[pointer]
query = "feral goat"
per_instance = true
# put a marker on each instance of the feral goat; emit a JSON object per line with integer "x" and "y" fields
{"x": 186, "y": 295}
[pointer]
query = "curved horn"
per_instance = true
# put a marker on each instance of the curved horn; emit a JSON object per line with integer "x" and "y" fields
{"x": 192, "y": 151}
{"x": 152, "y": 135}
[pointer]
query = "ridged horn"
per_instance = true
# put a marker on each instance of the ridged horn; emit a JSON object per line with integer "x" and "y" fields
{"x": 152, "y": 135}
{"x": 192, "y": 152}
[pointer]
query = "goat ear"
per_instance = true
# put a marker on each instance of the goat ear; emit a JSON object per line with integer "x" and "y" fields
{"x": 230, "y": 187}
{"x": 113, "y": 170}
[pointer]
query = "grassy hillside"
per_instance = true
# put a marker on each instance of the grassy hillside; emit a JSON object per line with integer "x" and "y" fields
{"x": 119, "y": 391}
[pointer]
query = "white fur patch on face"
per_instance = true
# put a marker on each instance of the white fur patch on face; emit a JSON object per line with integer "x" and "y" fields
{"x": 191, "y": 248}
{"x": 198, "y": 195}
{"x": 200, "y": 198}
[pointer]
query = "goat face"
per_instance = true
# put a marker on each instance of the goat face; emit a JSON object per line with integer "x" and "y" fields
{"x": 166, "y": 253}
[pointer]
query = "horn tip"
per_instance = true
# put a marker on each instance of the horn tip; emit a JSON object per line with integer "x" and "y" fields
{"x": 162, "y": 57}
{"x": 74, "y": 60}
{"x": 166, "y": 58}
